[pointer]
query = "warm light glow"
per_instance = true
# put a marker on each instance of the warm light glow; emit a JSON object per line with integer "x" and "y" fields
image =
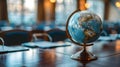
{"x": 117, "y": 45}
{"x": 52, "y": 1}
{"x": 117, "y": 4}
{"x": 82, "y": 5}
{"x": 87, "y": 5}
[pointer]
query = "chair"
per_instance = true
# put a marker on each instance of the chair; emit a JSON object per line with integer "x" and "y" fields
{"x": 57, "y": 35}
{"x": 40, "y": 35}
{"x": 104, "y": 33}
{"x": 2, "y": 42}
{"x": 15, "y": 37}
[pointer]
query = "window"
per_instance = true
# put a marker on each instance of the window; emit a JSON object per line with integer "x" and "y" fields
{"x": 96, "y": 6}
{"x": 22, "y": 11}
{"x": 63, "y": 9}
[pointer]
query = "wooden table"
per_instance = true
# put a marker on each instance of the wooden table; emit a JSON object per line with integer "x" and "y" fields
{"x": 108, "y": 54}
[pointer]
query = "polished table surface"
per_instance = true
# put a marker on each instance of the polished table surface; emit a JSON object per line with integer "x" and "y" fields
{"x": 108, "y": 54}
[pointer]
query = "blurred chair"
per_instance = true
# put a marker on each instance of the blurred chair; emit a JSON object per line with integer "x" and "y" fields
{"x": 2, "y": 43}
{"x": 40, "y": 35}
{"x": 37, "y": 31}
{"x": 117, "y": 27}
{"x": 104, "y": 33}
{"x": 15, "y": 37}
{"x": 57, "y": 35}
{"x": 105, "y": 28}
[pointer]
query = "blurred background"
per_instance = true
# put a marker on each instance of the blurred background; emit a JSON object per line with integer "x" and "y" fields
{"x": 49, "y": 14}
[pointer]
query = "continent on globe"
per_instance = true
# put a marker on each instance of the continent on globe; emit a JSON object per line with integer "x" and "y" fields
{"x": 89, "y": 34}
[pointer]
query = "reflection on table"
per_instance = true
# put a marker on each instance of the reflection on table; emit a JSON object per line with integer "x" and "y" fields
{"x": 106, "y": 51}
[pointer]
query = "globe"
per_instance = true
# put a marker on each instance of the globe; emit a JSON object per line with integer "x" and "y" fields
{"x": 84, "y": 27}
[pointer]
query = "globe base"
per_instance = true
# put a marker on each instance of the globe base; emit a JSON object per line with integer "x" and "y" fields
{"x": 84, "y": 55}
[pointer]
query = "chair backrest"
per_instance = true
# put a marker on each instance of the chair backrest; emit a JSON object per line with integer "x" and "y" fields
{"x": 104, "y": 33}
{"x": 15, "y": 37}
{"x": 57, "y": 35}
{"x": 40, "y": 35}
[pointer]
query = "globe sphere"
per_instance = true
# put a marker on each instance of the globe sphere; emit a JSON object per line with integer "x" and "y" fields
{"x": 84, "y": 27}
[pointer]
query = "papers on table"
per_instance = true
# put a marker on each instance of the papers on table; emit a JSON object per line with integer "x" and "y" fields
{"x": 109, "y": 38}
{"x": 7, "y": 49}
{"x": 104, "y": 38}
{"x": 46, "y": 44}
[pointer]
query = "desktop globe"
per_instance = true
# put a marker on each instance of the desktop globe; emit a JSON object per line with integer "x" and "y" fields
{"x": 83, "y": 28}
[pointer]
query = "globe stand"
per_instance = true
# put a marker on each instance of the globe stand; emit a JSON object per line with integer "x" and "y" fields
{"x": 84, "y": 55}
